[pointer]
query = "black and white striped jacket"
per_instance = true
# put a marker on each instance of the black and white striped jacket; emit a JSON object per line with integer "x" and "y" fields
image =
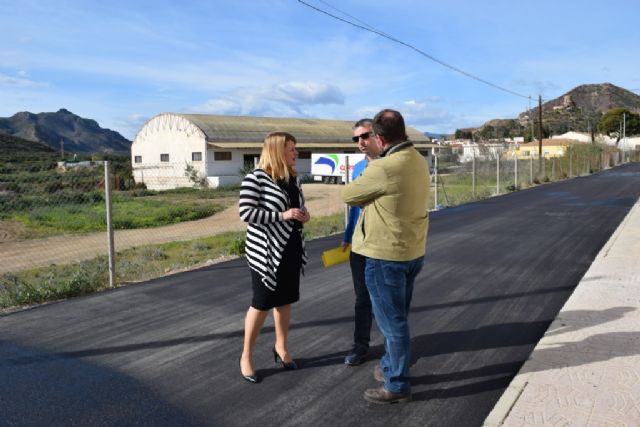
{"x": 261, "y": 205}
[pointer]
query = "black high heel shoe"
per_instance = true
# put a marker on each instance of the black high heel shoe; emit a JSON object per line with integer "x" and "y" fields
{"x": 290, "y": 366}
{"x": 253, "y": 378}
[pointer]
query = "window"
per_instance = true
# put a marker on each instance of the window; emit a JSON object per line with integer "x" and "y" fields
{"x": 304, "y": 155}
{"x": 526, "y": 153}
{"x": 222, "y": 155}
{"x": 164, "y": 157}
{"x": 196, "y": 156}
{"x": 137, "y": 159}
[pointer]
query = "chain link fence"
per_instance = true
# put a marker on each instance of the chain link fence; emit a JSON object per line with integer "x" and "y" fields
{"x": 54, "y": 240}
{"x": 53, "y": 216}
{"x": 455, "y": 183}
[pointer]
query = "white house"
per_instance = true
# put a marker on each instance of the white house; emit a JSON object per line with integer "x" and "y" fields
{"x": 469, "y": 150}
{"x": 217, "y": 148}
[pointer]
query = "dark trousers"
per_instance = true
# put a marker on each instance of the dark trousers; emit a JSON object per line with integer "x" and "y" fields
{"x": 363, "y": 314}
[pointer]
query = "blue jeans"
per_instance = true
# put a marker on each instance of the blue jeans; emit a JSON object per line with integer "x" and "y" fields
{"x": 390, "y": 285}
{"x": 363, "y": 314}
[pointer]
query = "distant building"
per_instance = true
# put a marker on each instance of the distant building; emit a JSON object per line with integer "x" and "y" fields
{"x": 555, "y": 147}
{"x": 217, "y": 148}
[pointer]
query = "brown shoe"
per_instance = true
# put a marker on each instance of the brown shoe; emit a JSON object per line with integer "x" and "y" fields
{"x": 382, "y": 396}
{"x": 377, "y": 374}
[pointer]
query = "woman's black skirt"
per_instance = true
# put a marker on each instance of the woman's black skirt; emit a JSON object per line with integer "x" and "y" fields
{"x": 287, "y": 278}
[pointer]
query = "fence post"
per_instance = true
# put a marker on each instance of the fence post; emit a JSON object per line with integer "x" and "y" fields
{"x": 497, "y": 174}
{"x": 435, "y": 176}
{"x": 531, "y": 170}
{"x": 473, "y": 177}
{"x": 515, "y": 158}
{"x": 107, "y": 199}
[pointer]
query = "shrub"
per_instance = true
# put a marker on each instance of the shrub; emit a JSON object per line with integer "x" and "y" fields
{"x": 238, "y": 246}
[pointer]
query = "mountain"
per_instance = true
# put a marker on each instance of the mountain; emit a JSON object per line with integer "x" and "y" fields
{"x": 580, "y": 110}
{"x": 79, "y": 135}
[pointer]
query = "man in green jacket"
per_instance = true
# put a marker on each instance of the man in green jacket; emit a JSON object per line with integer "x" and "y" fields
{"x": 392, "y": 234}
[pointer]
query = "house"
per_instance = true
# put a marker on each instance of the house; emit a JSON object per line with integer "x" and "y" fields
{"x": 217, "y": 149}
{"x": 469, "y": 150}
{"x": 554, "y": 147}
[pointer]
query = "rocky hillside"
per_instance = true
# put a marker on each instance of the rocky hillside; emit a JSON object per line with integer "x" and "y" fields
{"x": 580, "y": 110}
{"x": 79, "y": 135}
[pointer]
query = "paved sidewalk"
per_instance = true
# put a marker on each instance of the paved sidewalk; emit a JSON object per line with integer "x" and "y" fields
{"x": 586, "y": 369}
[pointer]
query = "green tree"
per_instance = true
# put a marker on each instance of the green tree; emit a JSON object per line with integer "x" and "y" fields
{"x": 463, "y": 134}
{"x": 611, "y": 123}
{"x": 487, "y": 132}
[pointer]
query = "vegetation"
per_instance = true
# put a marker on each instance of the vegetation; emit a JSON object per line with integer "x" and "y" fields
{"x": 48, "y": 200}
{"x": 456, "y": 182}
{"x": 133, "y": 265}
{"x": 612, "y": 123}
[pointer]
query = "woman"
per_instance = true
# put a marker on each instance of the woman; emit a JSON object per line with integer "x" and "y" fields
{"x": 272, "y": 204}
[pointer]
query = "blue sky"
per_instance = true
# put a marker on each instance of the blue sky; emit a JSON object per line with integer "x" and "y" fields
{"x": 122, "y": 62}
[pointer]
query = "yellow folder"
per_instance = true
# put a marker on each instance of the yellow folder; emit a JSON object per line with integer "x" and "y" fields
{"x": 336, "y": 256}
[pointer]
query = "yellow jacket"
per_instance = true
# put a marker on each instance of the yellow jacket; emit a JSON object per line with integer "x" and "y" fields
{"x": 394, "y": 193}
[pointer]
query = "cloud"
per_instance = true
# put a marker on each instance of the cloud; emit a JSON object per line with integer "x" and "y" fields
{"x": 280, "y": 99}
{"x": 19, "y": 82}
{"x": 129, "y": 126}
{"x": 425, "y": 114}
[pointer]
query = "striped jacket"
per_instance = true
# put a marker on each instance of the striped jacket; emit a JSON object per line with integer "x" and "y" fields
{"x": 261, "y": 205}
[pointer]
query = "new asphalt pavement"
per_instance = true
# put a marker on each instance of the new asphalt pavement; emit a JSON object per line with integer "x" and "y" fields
{"x": 165, "y": 352}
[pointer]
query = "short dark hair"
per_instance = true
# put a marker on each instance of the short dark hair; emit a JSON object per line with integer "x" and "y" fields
{"x": 363, "y": 122}
{"x": 390, "y": 125}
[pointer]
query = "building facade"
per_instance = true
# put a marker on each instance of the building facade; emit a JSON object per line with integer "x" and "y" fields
{"x": 182, "y": 150}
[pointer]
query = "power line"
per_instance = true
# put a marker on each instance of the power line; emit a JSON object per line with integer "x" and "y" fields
{"x": 367, "y": 27}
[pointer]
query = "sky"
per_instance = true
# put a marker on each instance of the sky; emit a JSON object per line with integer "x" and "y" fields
{"x": 123, "y": 62}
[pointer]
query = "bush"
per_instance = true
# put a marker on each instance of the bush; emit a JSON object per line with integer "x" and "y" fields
{"x": 238, "y": 246}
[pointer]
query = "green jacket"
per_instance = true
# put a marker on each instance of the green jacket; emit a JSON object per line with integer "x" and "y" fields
{"x": 394, "y": 193}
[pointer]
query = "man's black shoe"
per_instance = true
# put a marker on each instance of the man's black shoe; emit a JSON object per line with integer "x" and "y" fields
{"x": 356, "y": 356}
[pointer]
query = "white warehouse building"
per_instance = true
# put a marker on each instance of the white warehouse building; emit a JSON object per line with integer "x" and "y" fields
{"x": 217, "y": 148}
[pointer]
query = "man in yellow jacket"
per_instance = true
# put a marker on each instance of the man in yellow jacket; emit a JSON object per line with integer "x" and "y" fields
{"x": 391, "y": 233}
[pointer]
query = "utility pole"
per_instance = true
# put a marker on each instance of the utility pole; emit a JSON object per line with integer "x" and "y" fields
{"x": 539, "y": 133}
{"x": 62, "y": 148}
{"x": 531, "y": 119}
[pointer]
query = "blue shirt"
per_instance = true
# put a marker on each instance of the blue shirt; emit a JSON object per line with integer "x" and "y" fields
{"x": 354, "y": 211}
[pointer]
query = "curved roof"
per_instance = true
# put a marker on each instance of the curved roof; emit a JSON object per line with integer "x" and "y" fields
{"x": 246, "y": 131}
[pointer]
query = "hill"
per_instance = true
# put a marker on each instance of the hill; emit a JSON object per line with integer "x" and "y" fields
{"x": 12, "y": 144}
{"x": 79, "y": 135}
{"x": 580, "y": 110}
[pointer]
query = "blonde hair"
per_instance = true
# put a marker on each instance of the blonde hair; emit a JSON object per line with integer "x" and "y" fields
{"x": 272, "y": 159}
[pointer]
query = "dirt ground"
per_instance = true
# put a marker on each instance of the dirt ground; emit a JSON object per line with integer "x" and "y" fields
{"x": 17, "y": 254}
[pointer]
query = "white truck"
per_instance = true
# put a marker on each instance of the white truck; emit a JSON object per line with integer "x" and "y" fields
{"x": 331, "y": 168}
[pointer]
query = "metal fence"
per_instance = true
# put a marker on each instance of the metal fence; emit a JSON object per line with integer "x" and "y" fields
{"x": 454, "y": 183}
{"x": 55, "y": 217}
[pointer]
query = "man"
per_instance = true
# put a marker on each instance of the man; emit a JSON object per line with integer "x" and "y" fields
{"x": 392, "y": 234}
{"x": 367, "y": 144}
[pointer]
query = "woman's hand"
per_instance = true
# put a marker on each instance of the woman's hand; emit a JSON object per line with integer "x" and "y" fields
{"x": 307, "y": 215}
{"x": 294, "y": 213}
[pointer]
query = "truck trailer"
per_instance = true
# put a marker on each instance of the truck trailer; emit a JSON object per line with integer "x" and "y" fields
{"x": 331, "y": 168}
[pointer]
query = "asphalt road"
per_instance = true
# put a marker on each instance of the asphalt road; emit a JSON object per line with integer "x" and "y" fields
{"x": 165, "y": 352}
